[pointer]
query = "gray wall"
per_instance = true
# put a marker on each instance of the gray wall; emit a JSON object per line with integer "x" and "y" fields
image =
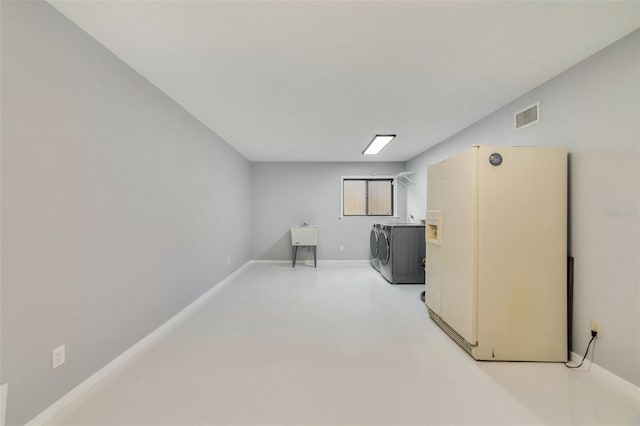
{"x": 593, "y": 110}
{"x": 118, "y": 207}
{"x": 287, "y": 194}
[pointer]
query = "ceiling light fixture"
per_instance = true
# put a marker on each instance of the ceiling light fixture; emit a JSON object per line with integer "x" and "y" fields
{"x": 376, "y": 145}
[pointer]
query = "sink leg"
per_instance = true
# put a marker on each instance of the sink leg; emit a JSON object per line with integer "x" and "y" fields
{"x": 295, "y": 254}
{"x": 315, "y": 254}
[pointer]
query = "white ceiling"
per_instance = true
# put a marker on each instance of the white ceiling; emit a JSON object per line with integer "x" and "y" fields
{"x": 315, "y": 81}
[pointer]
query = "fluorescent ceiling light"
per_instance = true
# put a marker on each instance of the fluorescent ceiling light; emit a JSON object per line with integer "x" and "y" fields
{"x": 376, "y": 145}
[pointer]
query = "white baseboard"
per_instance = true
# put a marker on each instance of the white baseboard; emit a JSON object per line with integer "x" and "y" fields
{"x": 345, "y": 262}
{"x": 320, "y": 262}
{"x": 615, "y": 381}
{"x": 75, "y": 395}
{"x": 4, "y": 389}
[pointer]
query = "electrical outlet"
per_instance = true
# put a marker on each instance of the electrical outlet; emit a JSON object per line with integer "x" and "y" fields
{"x": 57, "y": 357}
{"x": 341, "y": 247}
{"x": 229, "y": 260}
{"x": 595, "y": 326}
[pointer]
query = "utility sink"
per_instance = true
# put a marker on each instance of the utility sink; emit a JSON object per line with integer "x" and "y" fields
{"x": 304, "y": 235}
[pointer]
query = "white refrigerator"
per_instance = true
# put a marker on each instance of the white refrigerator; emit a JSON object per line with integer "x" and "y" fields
{"x": 496, "y": 255}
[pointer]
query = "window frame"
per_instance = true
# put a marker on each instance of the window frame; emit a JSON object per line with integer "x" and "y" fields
{"x": 394, "y": 198}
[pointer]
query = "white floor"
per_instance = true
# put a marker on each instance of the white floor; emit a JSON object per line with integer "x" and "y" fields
{"x": 336, "y": 345}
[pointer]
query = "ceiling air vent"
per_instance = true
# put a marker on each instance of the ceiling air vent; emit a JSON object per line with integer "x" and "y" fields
{"x": 528, "y": 116}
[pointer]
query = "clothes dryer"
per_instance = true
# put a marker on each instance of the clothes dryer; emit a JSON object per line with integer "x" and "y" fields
{"x": 401, "y": 249}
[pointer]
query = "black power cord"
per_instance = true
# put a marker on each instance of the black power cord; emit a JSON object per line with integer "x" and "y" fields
{"x": 594, "y": 334}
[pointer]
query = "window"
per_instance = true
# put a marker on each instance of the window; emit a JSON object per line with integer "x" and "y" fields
{"x": 367, "y": 196}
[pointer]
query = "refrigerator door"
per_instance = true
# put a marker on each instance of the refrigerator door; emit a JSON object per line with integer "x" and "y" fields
{"x": 433, "y": 258}
{"x": 459, "y": 244}
{"x": 522, "y": 251}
